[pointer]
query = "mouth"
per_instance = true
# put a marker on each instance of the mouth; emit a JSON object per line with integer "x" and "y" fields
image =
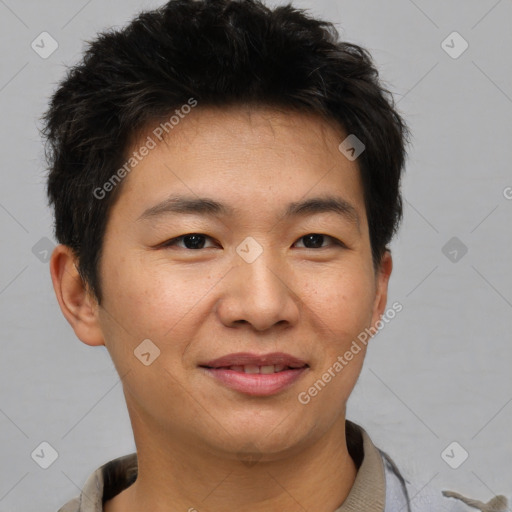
{"x": 256, "y": 375}
{"x": 255, "y": 369}
{"x": 251, "y": 361}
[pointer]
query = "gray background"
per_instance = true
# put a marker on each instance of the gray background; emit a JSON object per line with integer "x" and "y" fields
{"x": 439, "y": 372}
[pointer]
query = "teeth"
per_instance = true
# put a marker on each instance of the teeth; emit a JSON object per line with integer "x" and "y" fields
{"x": 252, "y": 368}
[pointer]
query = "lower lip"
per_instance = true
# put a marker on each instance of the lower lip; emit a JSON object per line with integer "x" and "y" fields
{"x": 256, "y": 384}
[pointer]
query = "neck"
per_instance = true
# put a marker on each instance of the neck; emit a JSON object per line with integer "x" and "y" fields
{"x": 179, "y": 476}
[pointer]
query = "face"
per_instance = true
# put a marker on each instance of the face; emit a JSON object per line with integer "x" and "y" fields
{"x": 243, "y": 237}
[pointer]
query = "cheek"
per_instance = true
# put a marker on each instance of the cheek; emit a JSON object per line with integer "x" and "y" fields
{"x": 342, "y": 308}
{"x": 342, "y": 300}
{"x": 158, "y": 301}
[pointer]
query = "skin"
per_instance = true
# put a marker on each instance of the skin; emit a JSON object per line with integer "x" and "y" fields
{"x": 191, "y": 432}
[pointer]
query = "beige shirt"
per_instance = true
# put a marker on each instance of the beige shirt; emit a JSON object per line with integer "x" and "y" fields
{"x": 368, "y": 492}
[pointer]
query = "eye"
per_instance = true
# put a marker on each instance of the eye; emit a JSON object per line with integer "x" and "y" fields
{"x": 191, "y": 241}
{"x": 195, "y": 241}
{"x": 315, "y": 240}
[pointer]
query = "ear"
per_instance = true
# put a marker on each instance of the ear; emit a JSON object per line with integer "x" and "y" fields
{"x": 382, "y": 280}
{"x": 76, "y": 302}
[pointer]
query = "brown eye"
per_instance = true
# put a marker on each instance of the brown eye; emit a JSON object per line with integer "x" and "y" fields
{"x": 315, "y": 240}
{"x": 191, "y": 241}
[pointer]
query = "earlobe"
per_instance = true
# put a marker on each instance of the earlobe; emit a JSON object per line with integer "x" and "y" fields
{"x": 381, "y": 296}
{"x": 76, "y": 302}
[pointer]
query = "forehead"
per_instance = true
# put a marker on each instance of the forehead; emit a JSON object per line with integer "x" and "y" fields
{"x": 223, "y": 130}
{"x": 246, "y": 157}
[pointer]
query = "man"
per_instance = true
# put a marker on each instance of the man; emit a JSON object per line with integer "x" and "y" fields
{"x": 226, "y": 180}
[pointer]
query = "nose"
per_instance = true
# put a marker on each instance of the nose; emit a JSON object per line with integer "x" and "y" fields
{"x": 259, "y": 294}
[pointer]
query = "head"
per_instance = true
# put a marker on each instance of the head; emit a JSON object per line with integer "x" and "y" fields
{"x": 224, "y": 119}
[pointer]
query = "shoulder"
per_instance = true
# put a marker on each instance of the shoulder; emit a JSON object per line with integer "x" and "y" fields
{"x": 403, "y": 494}
{"x": 71, "y": 506}
{"x": 104, "y": 483}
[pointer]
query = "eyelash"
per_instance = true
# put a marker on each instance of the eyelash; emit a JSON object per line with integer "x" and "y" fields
{"x": 173, "y": 241}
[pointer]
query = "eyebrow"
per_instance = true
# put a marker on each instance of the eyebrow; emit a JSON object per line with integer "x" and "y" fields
{"x": 210, "y": 208}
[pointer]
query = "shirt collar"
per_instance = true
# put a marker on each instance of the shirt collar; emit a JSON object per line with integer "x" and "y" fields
{"x": 369, "y": 490}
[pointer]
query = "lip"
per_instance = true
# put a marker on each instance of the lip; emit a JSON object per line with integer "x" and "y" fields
{"x": 256, "y": 384}
{"x": 246, "y": 358}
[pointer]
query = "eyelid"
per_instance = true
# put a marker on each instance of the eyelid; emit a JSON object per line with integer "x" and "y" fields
{"x": 173, "y": 241}
{"x": 335, "y": 241}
